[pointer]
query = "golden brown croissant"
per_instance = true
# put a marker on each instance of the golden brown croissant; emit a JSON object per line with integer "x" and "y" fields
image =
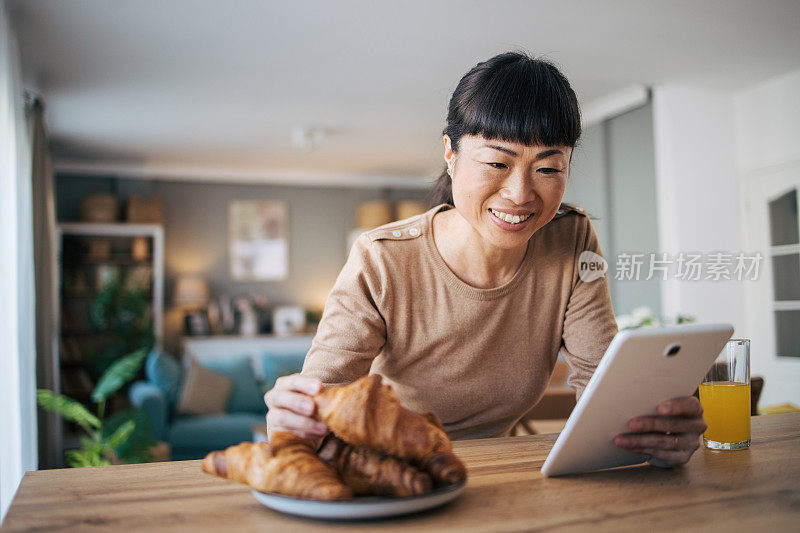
{"x": 367, "y": 413}
{"x": 444, "y": 466}
{"x": 368, "y": 472}
{"x": 286, "y": 465}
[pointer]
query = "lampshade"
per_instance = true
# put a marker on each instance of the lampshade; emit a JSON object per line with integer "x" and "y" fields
{"x": 191, "y": 290}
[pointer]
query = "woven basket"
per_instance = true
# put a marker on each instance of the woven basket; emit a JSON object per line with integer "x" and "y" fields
{"x": 145, "y": 210}
{"x": 100, "y": 207}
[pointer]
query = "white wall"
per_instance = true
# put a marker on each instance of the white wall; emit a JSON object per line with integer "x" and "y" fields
{"x": 768, "y": 124}
{"x": 633, "y": 219}
{"x": 17, "y": 358}
{"x": 587, "y": 185}
{"x": 768, "y": 164}
{"x": 719, "y": 158}
{"x": 613, "y": 178}
{"x": 698, "y": 197}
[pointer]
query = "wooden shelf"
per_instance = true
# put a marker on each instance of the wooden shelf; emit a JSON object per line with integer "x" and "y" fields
{"x": 85, "y": 331}
{"x": 80, "y": 275}
{"x": 119, "y": 261}
{"x": 92, "y": 294}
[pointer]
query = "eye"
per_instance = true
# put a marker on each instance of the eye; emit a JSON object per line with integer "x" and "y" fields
{"x": 549, "y": 170}
{"x": 497, "y": 165}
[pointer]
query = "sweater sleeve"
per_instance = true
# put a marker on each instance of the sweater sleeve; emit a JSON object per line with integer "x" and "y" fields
{"x": 352, "y": 331}
{"x": 589, "y": 323}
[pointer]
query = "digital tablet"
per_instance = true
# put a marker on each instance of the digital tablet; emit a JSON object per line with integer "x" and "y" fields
{"x": 640, "y": 369}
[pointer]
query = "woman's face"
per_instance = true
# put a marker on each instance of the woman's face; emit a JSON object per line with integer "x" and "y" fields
{"x": 505, "y": 190}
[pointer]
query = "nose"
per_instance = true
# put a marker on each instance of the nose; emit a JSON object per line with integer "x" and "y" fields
{"x": 518, "y": 188}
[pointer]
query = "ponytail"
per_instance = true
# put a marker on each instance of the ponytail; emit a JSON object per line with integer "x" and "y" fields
{"x": 442, "y": 192}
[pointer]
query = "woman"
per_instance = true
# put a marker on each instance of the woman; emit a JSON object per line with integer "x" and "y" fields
{"x": 464, "y": 309}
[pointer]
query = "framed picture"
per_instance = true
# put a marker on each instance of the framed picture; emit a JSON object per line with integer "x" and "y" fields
{"x": 258, "y": 240}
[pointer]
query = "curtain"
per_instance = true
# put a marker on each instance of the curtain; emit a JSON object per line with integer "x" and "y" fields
{"x": 46, "y": 282}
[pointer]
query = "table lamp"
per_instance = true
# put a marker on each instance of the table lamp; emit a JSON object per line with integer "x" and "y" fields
{"x": 191, "y": 295}
{"x": 191, "y": 291}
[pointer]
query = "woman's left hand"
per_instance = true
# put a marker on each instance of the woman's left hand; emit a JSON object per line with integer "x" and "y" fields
{"x": 668, "y": 438}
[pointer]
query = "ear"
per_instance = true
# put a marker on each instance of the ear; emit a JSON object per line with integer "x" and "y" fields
{"x": 449, "y": 155}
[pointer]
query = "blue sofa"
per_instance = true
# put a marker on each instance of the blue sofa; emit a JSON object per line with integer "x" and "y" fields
{"x": 192, "y": 437}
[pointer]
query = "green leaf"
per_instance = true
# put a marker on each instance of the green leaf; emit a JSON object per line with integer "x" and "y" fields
{"x": 68, "y": 408}
{"x": 120, "y": 436}
{"x": 122, "y": 371}
{"x": 83, "y": 458}
{"x": 91, "y": 445}
{"x": 137, "y": 448}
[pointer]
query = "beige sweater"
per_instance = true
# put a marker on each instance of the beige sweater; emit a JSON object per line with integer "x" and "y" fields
{"x": 478, "y": 358}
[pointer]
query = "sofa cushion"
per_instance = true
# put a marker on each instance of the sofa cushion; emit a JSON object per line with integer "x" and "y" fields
{"x": 204, "y": 392}
{"x": 246, "y": 394}
{"x": 213, "y": 431}
{"x": 277, "y": 365}
{"x": 166, "y": 373}
{"x": 152, "y": 400}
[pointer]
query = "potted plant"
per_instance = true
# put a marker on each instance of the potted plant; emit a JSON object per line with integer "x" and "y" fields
{"x": 126, "y": 435}
{"x": 124, "y": 310}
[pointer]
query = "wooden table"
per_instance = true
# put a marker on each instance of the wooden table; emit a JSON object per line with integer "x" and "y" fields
{"x": 751, "y": 490}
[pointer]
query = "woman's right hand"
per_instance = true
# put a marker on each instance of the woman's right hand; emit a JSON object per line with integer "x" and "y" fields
{"x": 291, "y": 407}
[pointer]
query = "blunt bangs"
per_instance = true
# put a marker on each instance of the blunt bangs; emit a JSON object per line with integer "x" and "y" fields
{"x": 521, "y": 100}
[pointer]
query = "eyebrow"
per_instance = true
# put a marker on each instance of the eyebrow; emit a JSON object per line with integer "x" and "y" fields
{"x": 540, "y": 155}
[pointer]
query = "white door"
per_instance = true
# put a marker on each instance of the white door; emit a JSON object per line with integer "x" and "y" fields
{"x": 772, "y": 228}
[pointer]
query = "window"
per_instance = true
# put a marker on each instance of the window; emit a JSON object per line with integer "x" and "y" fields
{"x": 785, "y": 255}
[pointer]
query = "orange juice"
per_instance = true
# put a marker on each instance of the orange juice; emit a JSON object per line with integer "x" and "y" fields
{"x": 726, "y": 409}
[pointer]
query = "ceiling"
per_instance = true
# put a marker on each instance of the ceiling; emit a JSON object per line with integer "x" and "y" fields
{"x": 202, "y": 88}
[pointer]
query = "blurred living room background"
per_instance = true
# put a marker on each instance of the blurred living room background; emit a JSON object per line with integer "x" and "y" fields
{"x": 182, "y": 180}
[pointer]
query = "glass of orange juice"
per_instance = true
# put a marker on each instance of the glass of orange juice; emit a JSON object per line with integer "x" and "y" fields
{"x": 725, "y": 396}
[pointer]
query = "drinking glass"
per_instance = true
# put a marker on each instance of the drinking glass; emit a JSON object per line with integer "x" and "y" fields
{"x": 725, "y": 396}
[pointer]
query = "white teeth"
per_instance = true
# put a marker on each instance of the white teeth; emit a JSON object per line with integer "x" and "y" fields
{"x": 511, "y": 219}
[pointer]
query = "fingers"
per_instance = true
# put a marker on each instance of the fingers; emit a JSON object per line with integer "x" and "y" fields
{"x": 669, "y": 438}
{"x": 291, "y": 408}
{"x": 293, "y": 401}
{"x": 667, "y": 424}
{"x": 296, "y": 423}
{"x": 668, "y": 459}
{"x": 664, "y": 451}
{"x": 299, "y": 383}
{"x": 687, "y": 406}
{"x": 283, "y": 419}
{"x": 638, "y": 442}
{"x": 291, "y": 392}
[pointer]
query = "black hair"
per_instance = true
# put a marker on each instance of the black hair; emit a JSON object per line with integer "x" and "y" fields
{"x": 511, "y": 97}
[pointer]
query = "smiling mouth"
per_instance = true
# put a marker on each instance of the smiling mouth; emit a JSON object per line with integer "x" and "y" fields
{"x": 508, "y": 217}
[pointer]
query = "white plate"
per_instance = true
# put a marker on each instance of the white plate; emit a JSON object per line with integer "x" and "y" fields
{"x": 362, "y": 507}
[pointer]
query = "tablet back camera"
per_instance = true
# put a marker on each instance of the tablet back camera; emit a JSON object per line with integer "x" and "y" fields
{"x": 672, "y": 349}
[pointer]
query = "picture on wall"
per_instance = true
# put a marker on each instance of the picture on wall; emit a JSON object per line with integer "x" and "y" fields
{"x": 258, "y": 238}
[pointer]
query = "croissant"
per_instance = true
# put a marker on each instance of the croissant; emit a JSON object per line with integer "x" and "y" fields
{"x": 286, "y": 465}
{"x": 367, "y": 413}
{"x": 368, "y": 472}
{"x": 444, "y": 466}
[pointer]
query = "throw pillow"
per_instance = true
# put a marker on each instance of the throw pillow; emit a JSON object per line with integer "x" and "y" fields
{"x": 166, "y": 373}
{"x": 246, "y": 394}
{"x": 204, "y": 392}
